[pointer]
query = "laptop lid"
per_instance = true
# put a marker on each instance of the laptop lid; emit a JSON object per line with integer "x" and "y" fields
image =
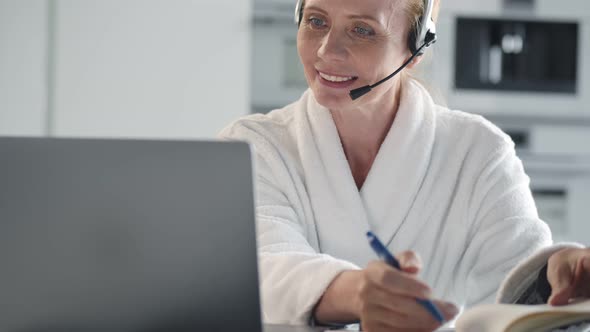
{"x": 127, "y": 235}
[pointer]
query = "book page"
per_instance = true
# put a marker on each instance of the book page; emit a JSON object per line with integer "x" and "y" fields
{"x": 519, "y": 318}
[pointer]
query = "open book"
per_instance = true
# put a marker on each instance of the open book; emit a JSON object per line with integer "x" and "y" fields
{"x": 522, "y": 318}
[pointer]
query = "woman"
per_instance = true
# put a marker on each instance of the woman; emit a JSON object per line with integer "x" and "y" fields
{"x": 443, "y": 189}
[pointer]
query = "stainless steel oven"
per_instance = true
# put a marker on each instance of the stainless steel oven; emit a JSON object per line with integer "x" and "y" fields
{"x": 516, "y": 55}
{"x": 507, "y": 57}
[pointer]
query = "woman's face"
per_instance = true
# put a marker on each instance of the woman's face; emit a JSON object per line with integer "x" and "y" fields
{"x": 347, "y": 44}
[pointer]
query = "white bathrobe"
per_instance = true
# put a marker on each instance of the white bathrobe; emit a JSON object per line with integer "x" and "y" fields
{"x": 445, "y": 184}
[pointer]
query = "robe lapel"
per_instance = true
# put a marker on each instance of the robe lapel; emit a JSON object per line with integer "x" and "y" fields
{"x": 343, "y": 214}
{"x": 401, "y": 163}
{"x": 339, "y": 211}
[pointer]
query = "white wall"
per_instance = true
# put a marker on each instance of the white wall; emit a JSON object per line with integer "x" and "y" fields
{"x": 151, "y": 68}
{"x": 123, "y": 68}
{"x": 23, "y": 27}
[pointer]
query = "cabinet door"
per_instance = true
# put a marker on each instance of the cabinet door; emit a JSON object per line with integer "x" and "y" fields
{"x": 23, "y": 88}
{"x": 150, "y": 68}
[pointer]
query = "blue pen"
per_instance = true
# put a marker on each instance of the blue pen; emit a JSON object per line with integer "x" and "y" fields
{"x": 385, "y": 255}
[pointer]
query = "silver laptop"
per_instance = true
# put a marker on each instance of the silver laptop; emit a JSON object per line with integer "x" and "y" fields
{"x": 127, "y": 235}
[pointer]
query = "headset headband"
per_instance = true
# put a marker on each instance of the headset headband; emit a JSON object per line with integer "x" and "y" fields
{"x": 427, "y": 27}
{"x": 298, "y": 12}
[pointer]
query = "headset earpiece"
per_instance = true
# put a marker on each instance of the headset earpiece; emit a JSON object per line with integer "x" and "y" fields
{"x": 413, "y": 38}
{"x": 424, "y": 32}
{"x": 299, "y": 12}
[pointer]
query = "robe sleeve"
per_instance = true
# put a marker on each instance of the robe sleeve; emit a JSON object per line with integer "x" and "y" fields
{"x": 293, "y": 274}
{"x": 504, "y": 226}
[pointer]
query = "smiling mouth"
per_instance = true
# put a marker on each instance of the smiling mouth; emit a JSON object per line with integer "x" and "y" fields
{"x": 336, "y": 79}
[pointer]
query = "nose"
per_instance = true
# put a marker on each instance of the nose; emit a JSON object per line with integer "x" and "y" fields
{"x": 333, "y": 47}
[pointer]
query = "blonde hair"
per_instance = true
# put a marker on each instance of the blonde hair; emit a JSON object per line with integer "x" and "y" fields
{"x": 415, "y": 8}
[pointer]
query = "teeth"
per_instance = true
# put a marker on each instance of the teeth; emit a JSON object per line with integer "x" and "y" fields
{"x": 335, "y": 78}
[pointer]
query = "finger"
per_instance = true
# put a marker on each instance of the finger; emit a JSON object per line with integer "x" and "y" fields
{"x": 420, "y": 316}
{"x": 408, "y": 306}
{"x": 581, "y": 283}
{"x": 560, "y": 274}
{"x": 448, "y": 309}
{"x": 578, "y": 284}
{"x": 379, "y": 327}
{"x": 399, "y": 303}
{"x": 369, "y": 325}
{"x": 410, "y": 262}
{"x": 395, "y": 320}
{"x": 559, "y": 298}
{"x": 585, "y": 280}
{"x": 387, "y": 278}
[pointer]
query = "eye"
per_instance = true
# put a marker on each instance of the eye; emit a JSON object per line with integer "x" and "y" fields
{"x": 316, "y": 22}
{"x": 365, "y": 32}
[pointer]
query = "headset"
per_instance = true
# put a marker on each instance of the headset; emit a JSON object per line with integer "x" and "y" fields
{"x": 421, "y": 37}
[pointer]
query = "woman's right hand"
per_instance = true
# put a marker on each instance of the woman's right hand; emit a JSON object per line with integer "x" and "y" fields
{"x": 386, "y": 297}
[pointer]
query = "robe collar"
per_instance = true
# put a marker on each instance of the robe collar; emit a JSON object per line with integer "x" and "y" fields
{"x": 343, "y": 213}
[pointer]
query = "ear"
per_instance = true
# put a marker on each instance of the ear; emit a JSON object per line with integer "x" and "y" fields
{"x": 415, "y": 62}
